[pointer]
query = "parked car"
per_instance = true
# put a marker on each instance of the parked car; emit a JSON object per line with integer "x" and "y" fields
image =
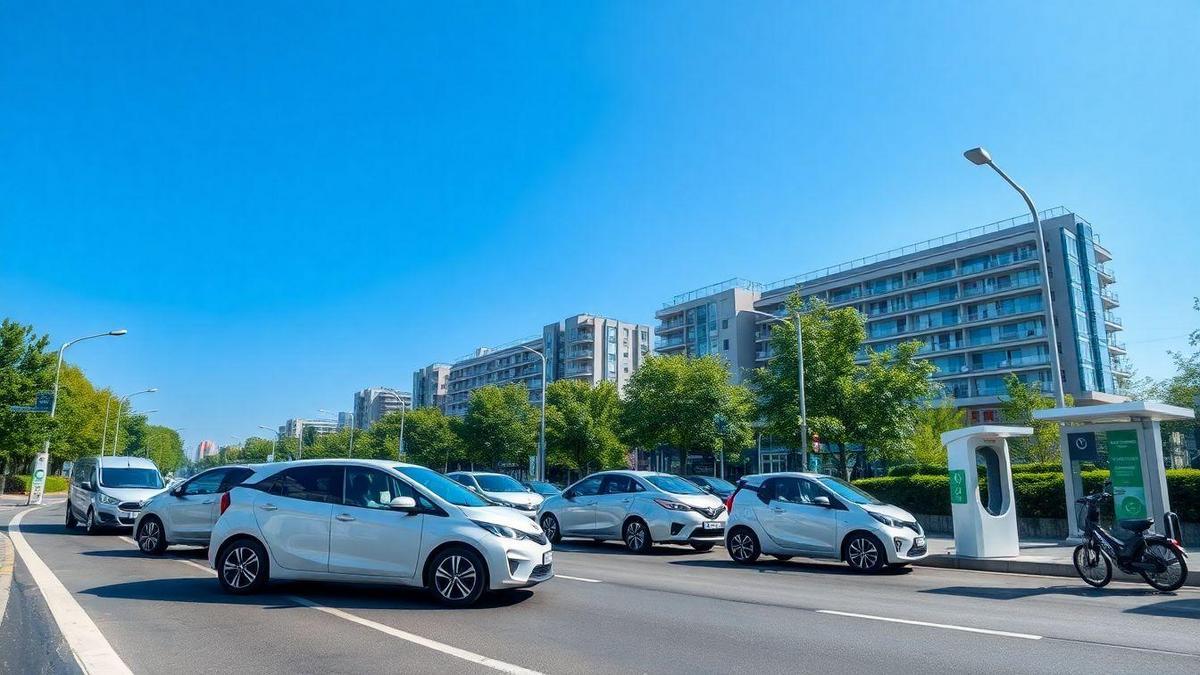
{"x": 373, "y": 521}
{"x": 502, "y": 489}
{"x": 109, "y": 492}
{"x": 714, "y": 486}
{"x": 817, "y": 516}
{"x": 641, "y": 508}
{"x": 185, "y": 513}
{"x": 543, "y": 488}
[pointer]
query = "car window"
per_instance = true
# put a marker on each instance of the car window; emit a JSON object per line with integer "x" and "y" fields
{"x": 234, "y": 478}
{"x": 616, "y": 485}
{"x": 674, "y": 485}
{"x": 310, "y": 483}
{"x": 127, "y": 477}
{"x": 373, "y": 489}
{"x": 442, "y": 486}
{"x": 847, "y": 491}
{"x": 462, "y": 479}
{"x": 588, "y": 486}
{"x": 206, "y": 483}
{"x": 499, "y": 484}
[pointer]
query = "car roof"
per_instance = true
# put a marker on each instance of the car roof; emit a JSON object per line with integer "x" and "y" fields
{"x": 755, "y": 479}
{"x": 275, "y": 467}
{"x": 122, "y": 462}
{"x": 479, "y": 473}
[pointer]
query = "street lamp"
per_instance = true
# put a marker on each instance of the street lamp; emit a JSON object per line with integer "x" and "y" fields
{"x": 274, "y": 441}
{"x": 800, "y": 371}
{"x": 981, "y": 157}
{"x": 541, "y": 453}
{"x": 403, "y": 409}
{"x": 121, "y": 405}
{"x": 43, "y": 458}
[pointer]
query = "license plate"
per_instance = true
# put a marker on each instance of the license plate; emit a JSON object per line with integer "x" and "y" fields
{"x": 712, "y": 525}
{"x": 919, "y": 542}
{"x": 547, "y": 557}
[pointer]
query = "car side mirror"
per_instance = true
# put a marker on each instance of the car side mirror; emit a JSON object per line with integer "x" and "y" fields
{"x": 821, "y": 501}
{"x": 405, "y": 504}
{"x": 177, "y": 491}
{"x": 472, "y": 488}
{"x": 707, "y": 488}
{"x": 569, "y": 494}
{"x": 87, "y": 485}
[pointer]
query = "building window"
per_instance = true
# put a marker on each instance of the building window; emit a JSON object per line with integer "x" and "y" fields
{"x": 727, "y": 349}
{"x": 725, "y": 325}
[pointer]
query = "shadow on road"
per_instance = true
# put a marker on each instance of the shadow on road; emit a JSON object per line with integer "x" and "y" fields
{"x": 1010, "y": 593}
{"x": 115, "y": 553}
{"x": 1188, "y": 608}
{"x": 58, "y": 528}
{"x": 616, "y": 548}
{"x": 779, "y": 566}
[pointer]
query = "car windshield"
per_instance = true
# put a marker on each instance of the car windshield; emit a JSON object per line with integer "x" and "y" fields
{"x": 443, "y": 487}
{"x": 847, "y": 491}
{"x": 674, "y": 485}
{"x": 499, "y": 483}
{"x": 543, "y": 488}
{"x": 719, "y": 484}
{"x": 130, "y": 478}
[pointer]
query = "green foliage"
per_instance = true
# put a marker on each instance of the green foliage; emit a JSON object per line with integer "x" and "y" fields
{"x": 430, "y": 438}
{"x": 892, "y": 391}
{"x": 500, "y": 427}
{"x": 931, "y": 422}
{"x": 581, "y": 426}
{"x": 25, "y": 369}
{"x": 20, "y": 484}
{"x": 689, "y": 405}
{"x": 1020, "y": 401}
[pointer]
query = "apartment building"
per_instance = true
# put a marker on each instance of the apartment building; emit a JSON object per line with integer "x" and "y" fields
{"x": 292, "y": 428}
{"x": 373, "y": 403}
{"x": 973, "y": 299}
{"x": 584, "y": 347}
{"x": 429, "y": 386}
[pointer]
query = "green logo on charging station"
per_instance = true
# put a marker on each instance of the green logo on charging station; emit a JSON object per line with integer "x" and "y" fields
{"x": 958, "y": 486}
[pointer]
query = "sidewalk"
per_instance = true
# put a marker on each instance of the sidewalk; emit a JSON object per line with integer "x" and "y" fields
{"x": 9, "y": 501}
{"x": 1050, "y": 558}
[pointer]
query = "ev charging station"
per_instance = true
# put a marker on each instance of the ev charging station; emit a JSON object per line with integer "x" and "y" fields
{"x": 1132, "y": 436}
{"x": 983, "y": 530}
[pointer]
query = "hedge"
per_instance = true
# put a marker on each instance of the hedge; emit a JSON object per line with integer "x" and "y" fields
{"x": 1038, "y": 495}
{"x": 936, "y": 470}
{"x": 20, "y": 484}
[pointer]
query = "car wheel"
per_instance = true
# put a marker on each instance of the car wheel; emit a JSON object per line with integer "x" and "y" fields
{"x": 1092, "y": 565}
{"x": 782, "y": 558}
{"x": 243, "y": 567}
{"x": 458, "y": 577}
{"x": 150, "y": 536}
{"x": 72, "y": 521}
{"x": 550, "y": 527}
{"x": 864, "y": 553}
{"x": 703, "y": 547}
{"x": 637, "y": 536}
{"x": 90, "y": 525}
{"x": 743, "y": 546}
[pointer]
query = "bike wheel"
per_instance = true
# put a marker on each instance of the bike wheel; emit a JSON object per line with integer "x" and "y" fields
{"x": 1175, "y": 569}
{"x": 1092, "y": 565}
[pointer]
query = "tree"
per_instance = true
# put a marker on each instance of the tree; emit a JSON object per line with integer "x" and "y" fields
{"x": 25, "y": 369}
{"x": 689, "y": 405}
{"x": 164, "y": 447}
{"x": 892, "y": 389}
{"x": 500, "y": 427}
{"x": 429, "y": 438}
{"x": 1020, "y": 401}
{"x": 581, "y": 426}
{"x": 931, "y": 422}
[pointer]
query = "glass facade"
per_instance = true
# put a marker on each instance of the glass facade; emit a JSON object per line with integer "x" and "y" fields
{"x": 1087, "y": 309}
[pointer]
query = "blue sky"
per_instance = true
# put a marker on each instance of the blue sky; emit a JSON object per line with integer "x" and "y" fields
{"x": 287, "y": 202}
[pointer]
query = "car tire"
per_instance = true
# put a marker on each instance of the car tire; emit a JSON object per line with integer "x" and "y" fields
{"x": 637, "y": 536}
{"x": 72, "y": 521}
{"x": 782, "y": 558}
{"x": 743, "y": 546}
{"x": 90, "y": 526}
{"x": 864, "y": 552}
{"x": 703, "y": 547}
{"x": 551, "y": 528}
{"x": 151, "y": 537}
{"x": 243, "y": 567}
{"x": 457, "y": 577}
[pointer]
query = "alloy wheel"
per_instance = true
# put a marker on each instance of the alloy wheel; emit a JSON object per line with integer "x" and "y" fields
{"x": 241, "y": 567}
{"x": 150, "y": 534}
{"x": 741, "y": 546}
{"x": 635, "y": 535}
{"x": 863, "y": 554}
{"x": 455, "y": 577}
{"x": 550, "y": 527}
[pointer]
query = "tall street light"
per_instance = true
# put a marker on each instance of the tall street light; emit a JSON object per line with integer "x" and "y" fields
{"x": 104, "y": 432}
{"x": 274, "y": 441}
{"x": 981, "y": 157}
{"x": 804, "y": 440}
{"x": 403, "y": 408}
{"x": 43, "y": 458}
{"x": 120, "y": 406}
{"x": 541, "y": 453}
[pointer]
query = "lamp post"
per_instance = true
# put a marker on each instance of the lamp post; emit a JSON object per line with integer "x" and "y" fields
{"x": 104, "y": 432}
{"x": 43, "y": 459}
{"x": 800, "y": 373}
{"x": 120, "y": 406}
{"x": 403, "y": 409}
{"x": 541, "y": 453}
{"x": 274, "y": 441}
{"x": 981, "y": 157}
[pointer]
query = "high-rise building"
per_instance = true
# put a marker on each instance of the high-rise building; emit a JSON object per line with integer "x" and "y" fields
{"x": 582, "y": 347}
{"x": 206, "y": 448}
{"x": 429, "y": 386}
{"x": 373, "y": 403}
{"x": 292, "y": 428}
{"x": 973, "y": 299}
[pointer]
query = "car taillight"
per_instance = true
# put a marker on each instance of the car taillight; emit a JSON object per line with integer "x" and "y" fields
{"x": 224, "y": 501}
{"x": 729, "y": 502}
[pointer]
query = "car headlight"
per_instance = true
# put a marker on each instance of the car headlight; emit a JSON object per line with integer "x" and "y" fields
{"x": 105, "y": 499}
{"x": 672, "y": 506}
{"x": 502, "y": 531}
{"x": 890, "y": 522}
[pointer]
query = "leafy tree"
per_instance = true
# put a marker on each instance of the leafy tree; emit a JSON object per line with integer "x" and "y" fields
{"x": 25, "y": 369}
{"x": 1020, "y": 401}
{"x": 581, "y": 426}
{"x": 164, "y": 447}
{"x": 430, "y": 438}
{"x": 892, "y": 390}
{"x": 1182, "y": 388}
{"x": 931, "y": 422}
{"x": 687, "y": 404}
{"x": 500, "y": 427}
{"x": 79, "y": 419}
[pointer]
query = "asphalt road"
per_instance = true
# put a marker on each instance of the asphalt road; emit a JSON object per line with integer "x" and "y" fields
{"x": 608, "y": 611}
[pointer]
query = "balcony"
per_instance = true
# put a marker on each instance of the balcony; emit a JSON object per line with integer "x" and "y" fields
{"x": 1113, "y": 321}
{"x": 581, "y": 336}
{"x": 1109, "y": 297}
{"x": 669, "y": 343}
{"x": 1106, "y": 273}
{"x": 577, "y": 370}
{"x": 580, "y": 354}
{"x": 1116, "y": 346}
{"x": 668, "y": 326}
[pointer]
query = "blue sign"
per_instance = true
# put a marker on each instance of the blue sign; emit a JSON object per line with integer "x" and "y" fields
{"x": 1082, "y": 447}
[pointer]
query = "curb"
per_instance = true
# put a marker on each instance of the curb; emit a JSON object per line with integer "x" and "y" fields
{"x": 1011, "y": 566}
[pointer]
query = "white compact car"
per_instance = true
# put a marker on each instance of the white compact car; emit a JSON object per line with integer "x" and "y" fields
{"x": 640, "y": 507}
{"x": 373, "y": 521}
{"x": 501, "y": 488}
{"x": 110, "y": 491}
{"x": 817, "y": 516}
{"x": 185, "y": 513}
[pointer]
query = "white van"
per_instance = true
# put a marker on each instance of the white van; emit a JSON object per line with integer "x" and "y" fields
{"x": 110, "y": 491}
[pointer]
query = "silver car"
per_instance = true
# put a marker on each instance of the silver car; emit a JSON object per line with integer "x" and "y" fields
{"x": 185, "y": 513}
{"x": 642, "y": 508}
{"x": 500, "y": 488}
{"x": 109, "y": 492}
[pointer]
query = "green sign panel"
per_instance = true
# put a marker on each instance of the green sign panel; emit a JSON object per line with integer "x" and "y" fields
{"x": 958, "y": 486}
{"x": 1125, "y": 466}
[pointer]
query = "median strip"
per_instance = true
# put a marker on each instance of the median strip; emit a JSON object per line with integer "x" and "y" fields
{"x": 965, "y": 629}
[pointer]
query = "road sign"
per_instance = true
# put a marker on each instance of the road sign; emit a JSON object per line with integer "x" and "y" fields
{"x": 43, "y": 401}
{"x": 1083, "y": 447}
{"x": 38, "y": 484}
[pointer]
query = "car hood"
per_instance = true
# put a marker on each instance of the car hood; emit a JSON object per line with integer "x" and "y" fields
{"x": 502, "y": 515}
{"x": 889, "y": 511}
{"x": 530, "y": 499}
{"x": 132, "y": 494}
{"x": 705, "y": 501}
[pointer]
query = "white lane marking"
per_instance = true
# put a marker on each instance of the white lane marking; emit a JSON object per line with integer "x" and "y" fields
{"x": 124, "y": 538}
{"x": 197, "y": 565}
{"x": 588, "y": 581}
{"x": 967, "y": 629}
{"x": 417, "y": 639}
{"x": 6, "y": 571}
{"x": 91, "y": 649}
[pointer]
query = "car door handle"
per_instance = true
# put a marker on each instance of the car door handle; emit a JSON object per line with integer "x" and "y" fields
{"x": 777, "y": 510}
{"x": 208, "y": 501}
{"x": 268, "y": 507}
{"x": 626, "y": 501}
{"x": 345, "y": 517}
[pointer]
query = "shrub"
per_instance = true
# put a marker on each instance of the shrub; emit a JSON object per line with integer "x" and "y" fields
{"x": 917, "y": 470}
{"x": 20, "y": 484}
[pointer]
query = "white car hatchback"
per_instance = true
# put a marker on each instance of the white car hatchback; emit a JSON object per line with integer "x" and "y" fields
{"x": 818, "y": 516}
{"x": 373, "y": 521}
{"x": 500, "y": 488}
{"x": 185, "y": 513}
{"x": 641, "y": 508}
